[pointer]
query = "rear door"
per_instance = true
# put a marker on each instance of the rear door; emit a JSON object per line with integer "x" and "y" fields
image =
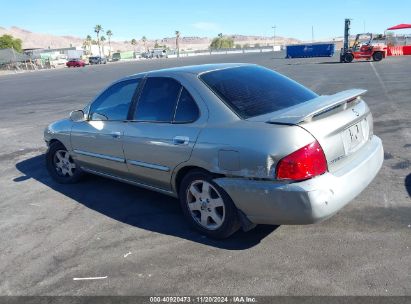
{"x": 167, "y": 121}
{"x": 98, "y": 141}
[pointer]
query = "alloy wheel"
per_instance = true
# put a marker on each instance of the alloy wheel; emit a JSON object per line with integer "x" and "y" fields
{"x": 63, "y": 163}
{"x": 205, "y": 205}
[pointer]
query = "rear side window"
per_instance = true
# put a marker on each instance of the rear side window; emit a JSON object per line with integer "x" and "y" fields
{"x": 114, "y": 103}
{"x": 187, "y": 110}
{"x": 252, "y": 90}
{"x": 158, "y": 100}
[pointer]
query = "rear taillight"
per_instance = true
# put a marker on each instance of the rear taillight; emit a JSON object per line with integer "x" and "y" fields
{"x": 305, "y": 163}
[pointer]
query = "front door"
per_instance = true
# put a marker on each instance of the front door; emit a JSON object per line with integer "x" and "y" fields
{"x": 98, "y": 142}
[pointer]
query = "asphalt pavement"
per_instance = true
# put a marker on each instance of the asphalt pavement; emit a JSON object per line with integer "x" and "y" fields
{"x": 135, "y": 242}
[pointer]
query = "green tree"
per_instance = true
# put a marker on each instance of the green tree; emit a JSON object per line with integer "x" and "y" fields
{"x": 222, "y": 42}
{"x": 109, "y": 34}
{"x": 238, "y": 46}
{"x": 9, "y": 42}
{"x": 97, "y": 29}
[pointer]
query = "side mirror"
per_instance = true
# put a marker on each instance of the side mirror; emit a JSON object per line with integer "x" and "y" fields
{"x": 77, "y": 116}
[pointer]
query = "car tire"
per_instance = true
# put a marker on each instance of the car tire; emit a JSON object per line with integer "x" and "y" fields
{"x": 206, "y": 206}
{"x": 61, "y": 165}
{"x": 348, "y": 58}
{"x": 377, "y": 56}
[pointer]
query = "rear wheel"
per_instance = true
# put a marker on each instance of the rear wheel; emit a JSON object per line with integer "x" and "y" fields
{"x": 377, "y": 56}
{"x": 207, "y": 206}
{"x": 348, "y": 57}
{"x": 61, "y": 165}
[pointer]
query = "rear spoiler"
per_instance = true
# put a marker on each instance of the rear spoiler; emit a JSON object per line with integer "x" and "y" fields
{"x": 307, "y": 110}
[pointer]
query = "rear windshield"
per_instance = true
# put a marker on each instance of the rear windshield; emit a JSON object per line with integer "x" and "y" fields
{"x": 252, "y": 90}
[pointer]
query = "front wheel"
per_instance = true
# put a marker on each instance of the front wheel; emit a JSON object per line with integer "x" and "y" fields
{"x": 377, "y": 56}
{"x": 348, "y": 57}
{"x": 207, "y": 206}
{"x": 61, "y": 165}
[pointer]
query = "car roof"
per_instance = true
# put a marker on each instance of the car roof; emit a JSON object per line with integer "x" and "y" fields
{"x": 191, "y": 69}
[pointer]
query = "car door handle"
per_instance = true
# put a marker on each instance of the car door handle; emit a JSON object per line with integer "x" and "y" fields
{"x": 115, "y": 134}
{"x": 181, "y": 140}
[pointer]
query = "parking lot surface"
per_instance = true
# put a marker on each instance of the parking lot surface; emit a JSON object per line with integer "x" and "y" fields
{"x": 136, "y": 242}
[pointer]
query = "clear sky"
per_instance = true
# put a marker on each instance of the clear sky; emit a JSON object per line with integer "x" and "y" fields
{"x": 160, "y": 18}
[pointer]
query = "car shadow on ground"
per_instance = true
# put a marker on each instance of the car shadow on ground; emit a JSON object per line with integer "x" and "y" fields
{"x": 408, "y": 184}
{"x": 136, "y": 206}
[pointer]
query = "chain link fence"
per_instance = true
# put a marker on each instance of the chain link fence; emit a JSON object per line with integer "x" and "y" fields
{"x": 11, "y": 60}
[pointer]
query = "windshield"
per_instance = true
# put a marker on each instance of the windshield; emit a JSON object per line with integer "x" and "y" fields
{"x": 252, "y": 90}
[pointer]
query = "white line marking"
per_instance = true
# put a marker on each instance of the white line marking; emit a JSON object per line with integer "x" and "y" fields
{"x": 392, "y": 104}
{"x": 90, "y": 278}
{"x": 127, "y": 254}
{"x": 380, "y": 81}
{"x": 35, "y": 205}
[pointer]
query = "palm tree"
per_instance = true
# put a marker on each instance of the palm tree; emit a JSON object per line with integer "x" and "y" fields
{"x": 109, "y": 34}
{"x": 98, "y": 28}
{"x": 178, "y": 43}
{"x": 85, "y": 46}
{"x": 102, "y": 39}
{"x": 88, "y": 40}
{"x": 144, "y": 39}
{"x": 134, "y": 43}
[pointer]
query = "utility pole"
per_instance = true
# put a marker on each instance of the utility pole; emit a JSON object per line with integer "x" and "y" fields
{"x": 274, "y": 28}
{"x": 178, "y": 43}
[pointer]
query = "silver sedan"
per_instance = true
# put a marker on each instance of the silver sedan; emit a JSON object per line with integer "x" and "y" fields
{"x": 238, "y": 144}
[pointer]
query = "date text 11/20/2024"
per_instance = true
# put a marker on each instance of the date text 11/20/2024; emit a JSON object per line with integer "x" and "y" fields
{"x": 203, "y": 299}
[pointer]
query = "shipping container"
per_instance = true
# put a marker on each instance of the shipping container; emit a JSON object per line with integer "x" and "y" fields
{"x": 310, "y": 50}
{"x": 123, "y": 55}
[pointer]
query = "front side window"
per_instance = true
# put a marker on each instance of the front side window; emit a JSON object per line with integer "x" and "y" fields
{"x": 114, "y": 103}
{"x": 158, "y": 100}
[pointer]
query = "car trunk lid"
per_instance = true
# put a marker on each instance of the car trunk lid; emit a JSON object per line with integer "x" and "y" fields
{"x": 341, "y": 123}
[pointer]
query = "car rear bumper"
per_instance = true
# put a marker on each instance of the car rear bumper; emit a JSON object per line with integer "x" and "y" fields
{"x": 306, "y": 202}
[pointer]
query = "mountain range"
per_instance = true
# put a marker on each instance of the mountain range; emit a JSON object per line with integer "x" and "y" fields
{"x": 42, "y": 40}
